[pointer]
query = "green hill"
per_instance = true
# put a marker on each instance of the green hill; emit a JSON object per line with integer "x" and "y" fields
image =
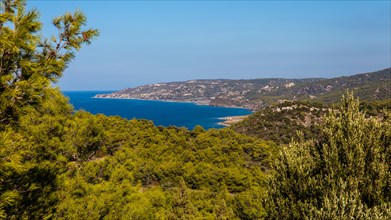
{"x": 281, "y": 122}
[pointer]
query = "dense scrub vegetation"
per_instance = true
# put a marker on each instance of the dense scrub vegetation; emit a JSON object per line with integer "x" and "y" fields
{"x": 151, "y": 172}
{"x": 92, "y": 166}
{"x": 280, "y": 122}
{"x": 345, "y": 173}
{"x": 59, "y": 164}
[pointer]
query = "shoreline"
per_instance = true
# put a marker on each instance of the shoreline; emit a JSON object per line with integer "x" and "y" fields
{"x": 230, "y": 120}
{"x": 166, "y": 100}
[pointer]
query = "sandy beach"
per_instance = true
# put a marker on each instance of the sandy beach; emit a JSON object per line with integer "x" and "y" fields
{"x": 227, "y": 121}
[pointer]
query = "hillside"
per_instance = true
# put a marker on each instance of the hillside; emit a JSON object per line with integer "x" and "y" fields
{"x": 367, "y": 86}
{"x": 281, "y": 122}
{"x": 258, "y": 93}
{"x": 220, "y": 92}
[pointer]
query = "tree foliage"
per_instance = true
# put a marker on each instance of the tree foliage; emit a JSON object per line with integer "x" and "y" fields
{"x": 162, "y": 172}
{"x": 28, "y": 62}
{"x": 32, "y": 114}
{"x": 343, "y": 174}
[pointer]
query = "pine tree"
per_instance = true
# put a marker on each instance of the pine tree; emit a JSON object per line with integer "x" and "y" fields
{"x": 31, "y": 112}
{"x": 343, "y": 174}
{"x": 28, "y": 62}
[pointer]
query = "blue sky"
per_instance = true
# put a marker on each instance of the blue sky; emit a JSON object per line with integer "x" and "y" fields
{"x": 158, "y": 41}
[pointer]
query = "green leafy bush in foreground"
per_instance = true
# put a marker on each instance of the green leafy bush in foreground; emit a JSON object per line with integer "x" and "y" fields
{"x": 344, "y": 173}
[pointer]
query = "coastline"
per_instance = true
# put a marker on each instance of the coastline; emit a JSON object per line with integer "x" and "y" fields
{"x": 176, "y": 101}
{"x": 154, "y": 100}
{"x": 230, "y": 120}
{"x": 223, "y": 121}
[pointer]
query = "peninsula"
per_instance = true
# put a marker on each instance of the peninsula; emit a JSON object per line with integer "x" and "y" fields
{"x": 257, "y": 94}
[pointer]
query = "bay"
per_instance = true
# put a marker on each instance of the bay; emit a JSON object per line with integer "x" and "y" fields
{"x": 161, "y": 113}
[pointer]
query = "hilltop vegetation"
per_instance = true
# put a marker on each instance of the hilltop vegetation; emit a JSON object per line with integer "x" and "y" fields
{"x": 56, "y": 163}
{"x": 257, "y": 94}
{"x": 280, "y": 122}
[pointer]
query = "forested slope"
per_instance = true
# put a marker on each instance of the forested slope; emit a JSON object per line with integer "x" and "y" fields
{"x": 280, "y": 122}
{"x": 79, "y": 166}
{"x": 148, "y": 172}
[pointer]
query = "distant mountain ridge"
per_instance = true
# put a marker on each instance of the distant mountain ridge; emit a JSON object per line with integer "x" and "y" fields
{"x": 258, "y": 93}
{"x": 367, "y": 86}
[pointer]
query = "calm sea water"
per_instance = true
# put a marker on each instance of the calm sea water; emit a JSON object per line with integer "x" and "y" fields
{"x": 161, "y": 113}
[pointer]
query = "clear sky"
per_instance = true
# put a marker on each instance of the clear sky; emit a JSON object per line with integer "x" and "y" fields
{"x": 159, "y": 41}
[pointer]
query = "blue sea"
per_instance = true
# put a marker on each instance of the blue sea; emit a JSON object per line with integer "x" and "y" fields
{"x": 161, "y": 113}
